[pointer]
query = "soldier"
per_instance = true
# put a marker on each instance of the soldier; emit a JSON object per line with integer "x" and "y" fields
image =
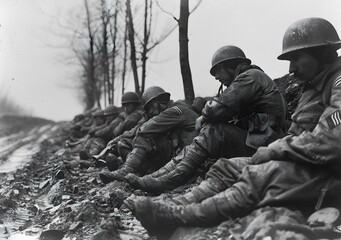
{"x": 97, "y": 123}
{"x": 300, "y": 171}
{"x": 118, "y": 121}
{"x": 101, "y": 135}
{"x": 248, "y": 114}
{"x": 171, "y": 126}
{"x": 132, "y": 106}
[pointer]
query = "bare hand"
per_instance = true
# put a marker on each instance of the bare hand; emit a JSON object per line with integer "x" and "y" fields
{"x": 199, "y": 123}
{"x": 263, "y": 154}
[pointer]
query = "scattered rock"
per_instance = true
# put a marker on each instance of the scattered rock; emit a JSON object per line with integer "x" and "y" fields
{"x": 52, "y": 235}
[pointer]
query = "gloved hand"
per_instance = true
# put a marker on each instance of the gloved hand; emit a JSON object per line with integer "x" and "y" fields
{"x": 263, "y": 155}
{"x": 199, "y": 123}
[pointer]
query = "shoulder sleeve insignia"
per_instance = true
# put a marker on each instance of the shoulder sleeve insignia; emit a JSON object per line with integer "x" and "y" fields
{"x": 176, "y": 108}
{"x": 337, "y": 81}
{"x": 334, "y": 119}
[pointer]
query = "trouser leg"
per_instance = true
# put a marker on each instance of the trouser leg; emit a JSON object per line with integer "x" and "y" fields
{"x": 222, "y": 175}
{"x": 214, "y": 141}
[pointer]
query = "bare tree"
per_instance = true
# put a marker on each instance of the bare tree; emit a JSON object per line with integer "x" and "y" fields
{"x": 131, "y": 37}
{"x": 90, "y": 70}
{"x": 184, "y": 61}
{"x": 182, "y": 22}
{"x": 104, "y": 55}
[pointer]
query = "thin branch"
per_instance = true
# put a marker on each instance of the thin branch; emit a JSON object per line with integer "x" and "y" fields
{"x": 163, "y": 10}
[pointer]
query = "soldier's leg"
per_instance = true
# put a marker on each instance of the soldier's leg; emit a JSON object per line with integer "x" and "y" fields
{"x": 84, "y": 152}
{"x": 132, "y": 164}
{"x": 274, "y": 183}
{"x": 221, "y": 176}
{"x": 136, "y": 181}
{"x": 124, "y": 147}
{"x": 139, "y": 160}
{"x": 215, "y": 141}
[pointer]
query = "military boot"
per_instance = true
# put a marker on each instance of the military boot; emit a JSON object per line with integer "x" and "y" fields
{"x": 161, "y": 218}
{"x": 132, "y": 165}
{"x": 207, "y": 188}
{"x": 158, "y": 219}
{"x": 182, "y": 172}
{"x": 84, "y": 154}
{"x": 113, "y": 162}
{"x": 138, "y": 182}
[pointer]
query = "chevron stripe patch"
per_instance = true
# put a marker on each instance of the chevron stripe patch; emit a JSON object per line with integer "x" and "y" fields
{"x": 176, "y": 108}
{"x": 337, "y": 82}
{"x": 334, "y": 119}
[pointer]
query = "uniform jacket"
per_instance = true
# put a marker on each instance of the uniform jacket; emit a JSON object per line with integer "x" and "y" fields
{"x": 129, "y": 122}
{"x": 316, "y": 129}
{"x": 254, "y": 99}
{"x": 309, "y": 159}
{"x": 176, "y": 122}
{"x": 107, "y": 132}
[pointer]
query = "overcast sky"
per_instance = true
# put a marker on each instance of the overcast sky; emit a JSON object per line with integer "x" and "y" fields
{"x": 32, "y": 74}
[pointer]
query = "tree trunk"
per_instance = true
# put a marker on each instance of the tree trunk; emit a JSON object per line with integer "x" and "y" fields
{"x": 146, "y": 35}
{"x": 131, "y": 33}
{"x": 91, "y": 59}
{"x": 114, "y": 49}
{"x": 184, "y": 61}
{"x": 124, "y": 69}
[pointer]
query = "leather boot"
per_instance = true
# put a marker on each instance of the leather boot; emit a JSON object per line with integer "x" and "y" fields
{"x": 162, "y": 218}
{"x": 138, "y": 182}
{"x": 207, "y": 188}
{"x": 132, "y": 165}
{"x": 182, "y": 172}
{"x": 158, "y": 219}
{"x": 113, "y": 162}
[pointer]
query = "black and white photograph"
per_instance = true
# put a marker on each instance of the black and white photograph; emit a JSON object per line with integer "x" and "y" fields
{"x": 170, "y": 119}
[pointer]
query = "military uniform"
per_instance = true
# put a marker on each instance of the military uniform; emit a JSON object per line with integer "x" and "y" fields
{"x": 299, "y": 167}
{"x": 300, "y": 171}
{"x": 129, "y": 122}
{"x": 158, "y": 139}
{"x": 248, "y": 114}
{"x": 119, "y": 125}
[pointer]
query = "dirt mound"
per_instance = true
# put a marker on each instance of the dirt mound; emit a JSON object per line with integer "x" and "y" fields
{"x": 10, "y": 124}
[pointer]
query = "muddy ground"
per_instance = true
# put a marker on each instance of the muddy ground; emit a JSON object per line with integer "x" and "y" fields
{"x": 45, "y": 192}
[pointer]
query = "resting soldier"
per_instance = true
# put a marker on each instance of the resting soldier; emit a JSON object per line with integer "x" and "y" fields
{"x": 100, "y": 135}
{"x": 118, "y": 121}
{"x": 300, "y": 171}
{"x": 248, "y": 114}
{"x": 170, "y": 127}
{"x": 98, "y": 121}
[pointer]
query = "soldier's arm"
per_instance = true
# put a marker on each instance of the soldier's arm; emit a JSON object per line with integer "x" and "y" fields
{"x": 322, "y": 146}
{"x": 242, "y": 92}
{"x": 167, "y": 120}
{"x": 129, "y": 122}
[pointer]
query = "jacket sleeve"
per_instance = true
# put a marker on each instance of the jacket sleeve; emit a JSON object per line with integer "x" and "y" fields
{"x": 167, "y": 120}
{"x": 322, "y": 146}
{"x": 108, "y": 132}
{"x": 243, "y": 91}
{"x": 129, "y": 122}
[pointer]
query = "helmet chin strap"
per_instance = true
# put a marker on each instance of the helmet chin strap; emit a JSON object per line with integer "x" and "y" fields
{"x": 220, "y": 90}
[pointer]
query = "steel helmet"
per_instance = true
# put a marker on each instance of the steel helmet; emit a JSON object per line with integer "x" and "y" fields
{"x": 130, "y": 97}
{"x": 153, "y": 93}
{"x": 307, "y": 33}
{"x": 227, "y": 53}
{"x": 98, "y": 113}
{"x": 111, "y": 110}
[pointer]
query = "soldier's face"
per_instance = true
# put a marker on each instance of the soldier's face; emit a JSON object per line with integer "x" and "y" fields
{"x": 129, "y": 107}
{"x": 153, "y": 109}
{"x": 111, "y": 117}
{"x": 99, "y": 120}
{"x": 224, "y": 75}
{"x": 303, "y": 65}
